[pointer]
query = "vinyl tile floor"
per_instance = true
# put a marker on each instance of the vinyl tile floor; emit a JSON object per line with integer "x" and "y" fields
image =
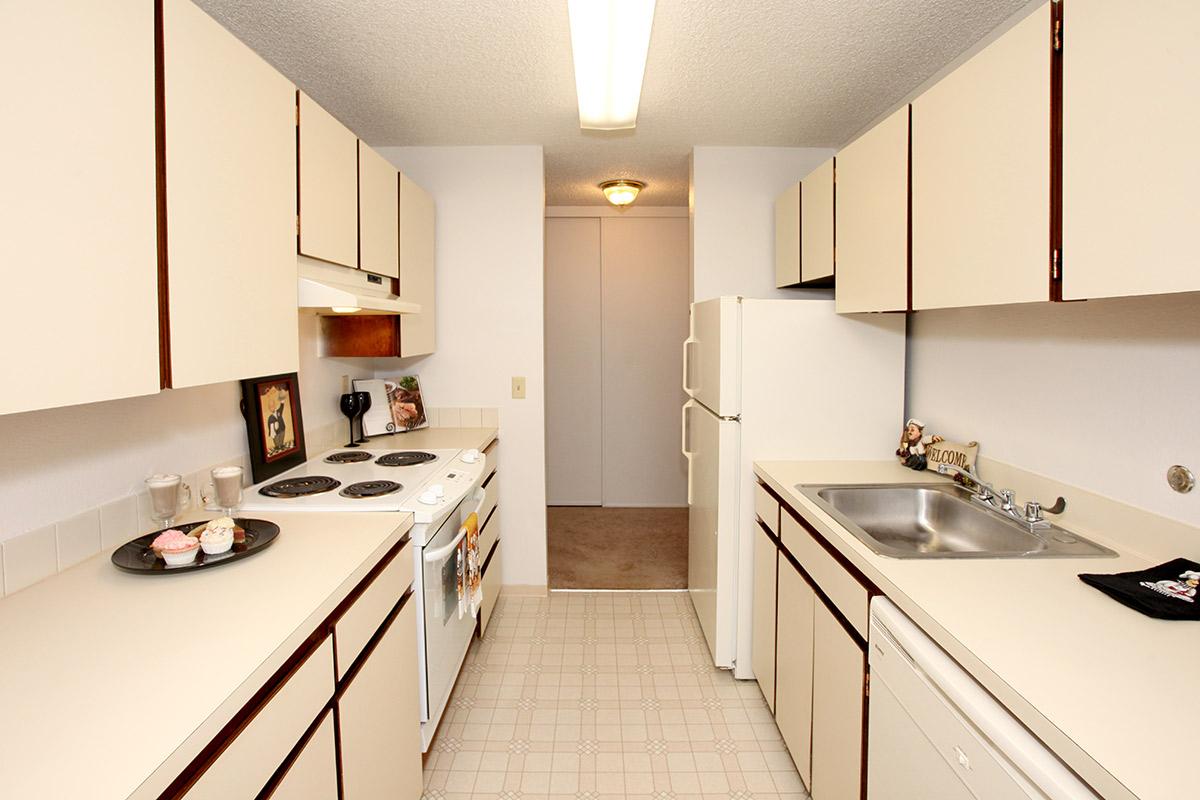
{"x": 599, "y": 696}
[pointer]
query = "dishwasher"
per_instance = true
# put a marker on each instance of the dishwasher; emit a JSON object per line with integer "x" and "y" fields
{"x": 935, "y": 734}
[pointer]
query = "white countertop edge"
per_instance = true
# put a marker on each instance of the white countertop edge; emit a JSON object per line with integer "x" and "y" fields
{"x": 860, "y": 556}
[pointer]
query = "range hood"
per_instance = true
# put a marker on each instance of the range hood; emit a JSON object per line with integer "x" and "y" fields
{"x": 329, "y": 289}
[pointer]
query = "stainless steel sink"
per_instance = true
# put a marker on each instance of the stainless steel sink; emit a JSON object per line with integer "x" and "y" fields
{"x": 939, "y": 521}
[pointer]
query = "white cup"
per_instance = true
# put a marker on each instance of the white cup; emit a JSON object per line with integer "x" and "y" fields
{"x": 168, "y": 496}
{"x": 225, "y": 489}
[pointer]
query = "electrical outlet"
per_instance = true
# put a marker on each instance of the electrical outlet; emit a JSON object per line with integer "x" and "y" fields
{"x": 518, "y": 387}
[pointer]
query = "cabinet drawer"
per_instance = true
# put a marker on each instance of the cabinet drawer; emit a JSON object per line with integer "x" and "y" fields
{"x": 489, "y": 535}
{"x": 491, "y": 495}
{"x": 492, "y": 584}
{"x": 766, "y": 507}
{"x": 313, "y": 775}
{"x": 843, "y": 589}
{"x": 250, "y": 760}
{"x": 492, "y": 451}
{"x": 361, "y": 620}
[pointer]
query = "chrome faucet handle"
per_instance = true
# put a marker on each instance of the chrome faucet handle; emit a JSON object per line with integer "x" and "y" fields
{"x": 1006, "y": 500}
{"x": 1033, "y": 511}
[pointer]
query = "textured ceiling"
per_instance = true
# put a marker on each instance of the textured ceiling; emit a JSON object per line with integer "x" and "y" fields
{"x": 748, "y": 72}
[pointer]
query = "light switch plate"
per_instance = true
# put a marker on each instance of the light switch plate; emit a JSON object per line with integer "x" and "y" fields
{"x": 518, "y": 387}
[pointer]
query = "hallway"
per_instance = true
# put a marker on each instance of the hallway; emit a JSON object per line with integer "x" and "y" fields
{"x": 599, "y": 696}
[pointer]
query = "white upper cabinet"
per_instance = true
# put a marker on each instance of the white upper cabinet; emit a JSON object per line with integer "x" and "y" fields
{"x": 328, "y": 186}
{"x": 77, "y": 208}
{"x": 378, "y": 222}
{"x": 981, "y": 176}
{"x": 816, "y": 225}
{"x": 787, "y": 237}
{"x": 872, "y": 219}
{"x": 418, "y": 222}
{"x": 1130, "y": 130}
{"x": 231, "y": 189}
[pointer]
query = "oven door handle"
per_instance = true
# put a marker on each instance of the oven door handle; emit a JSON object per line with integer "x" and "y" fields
{"x": 441, "y": 553}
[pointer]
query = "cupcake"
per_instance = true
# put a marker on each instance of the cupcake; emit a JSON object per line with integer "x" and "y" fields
{"x": 216, "y": 540}
{"x": 239, "y": 533}
{"x": 163, "y": 539}
{"x": 179, "y": 550}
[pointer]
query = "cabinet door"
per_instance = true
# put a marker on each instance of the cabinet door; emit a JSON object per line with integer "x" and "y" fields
{"x": 816, "y": 225}
{"x": 766, "y": 564}
{"x": 981, "y": 176}
{"x": 787, "y": 238}
{"x": 231, "y": 189}
{"x": 379, "y": 214}
{"x": 1130, "y": 126}
{"x": 78, "y": 205}
{"x": 418, "y": 224}
{"x": 794, "y": 667}
{"x": 379, "y": 718}
{"x": 872, "y": 219}
{"x": 313, "y": 775}
{"x": 492, "y": 584}
{"x": 839, "y": 673}
{"x": 328, "y": 186}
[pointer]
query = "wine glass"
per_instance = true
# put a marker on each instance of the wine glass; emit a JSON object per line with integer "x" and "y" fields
{"x": 350, "y": 406}
{"x": 364, "y": 402}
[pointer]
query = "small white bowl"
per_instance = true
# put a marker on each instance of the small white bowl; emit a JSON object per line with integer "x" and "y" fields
{"x": 218, "y": 547}
{"x": 179, "y": 558}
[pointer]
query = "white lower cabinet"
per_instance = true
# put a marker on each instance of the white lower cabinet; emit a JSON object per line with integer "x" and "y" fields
{"x": 379, "y": 717}
{"x": 839, "y": 670}
{"x": 794, "y": 667}
{"x": 313, "y": 775}
{"x": 491, "y": 588}
{"x": 246, "y": 765}
{"x": 766, "y": 565}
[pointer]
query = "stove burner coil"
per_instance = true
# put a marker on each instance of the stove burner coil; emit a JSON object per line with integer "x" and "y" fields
{"x": 365, "y": 489}
{"x": 406, "y": 458}
{"x": 300, "y": 487}
{"x": 347, "y": 457}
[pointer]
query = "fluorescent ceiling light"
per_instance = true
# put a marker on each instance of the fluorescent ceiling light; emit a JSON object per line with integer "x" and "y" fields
{"x": 609, "y": 41}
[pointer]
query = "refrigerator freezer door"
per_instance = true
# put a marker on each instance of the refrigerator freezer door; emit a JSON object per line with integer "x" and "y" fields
{"x": 711, "y": 445}
{"x": 712, "y": 356}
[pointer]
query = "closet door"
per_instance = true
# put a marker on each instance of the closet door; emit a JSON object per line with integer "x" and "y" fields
{"x": 644, "y": 301}
{"x": 573, "y": 394}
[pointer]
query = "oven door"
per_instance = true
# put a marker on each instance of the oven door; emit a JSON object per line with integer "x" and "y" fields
{"x": 447, "y": 635}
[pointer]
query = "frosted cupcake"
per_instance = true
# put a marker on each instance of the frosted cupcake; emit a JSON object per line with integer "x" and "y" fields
{"x": 164, "y": 538}
{"x": 239, "y": 533}
{"x": 216, "y": 540}
{"x": 179, "y": 550}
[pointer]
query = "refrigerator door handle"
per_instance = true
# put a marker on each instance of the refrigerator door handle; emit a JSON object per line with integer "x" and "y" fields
{"x": 687, "y": 365}
{"x": 685, "y": 447}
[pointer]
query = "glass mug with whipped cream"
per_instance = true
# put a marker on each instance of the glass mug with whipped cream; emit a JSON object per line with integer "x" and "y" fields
{"x": 224, "y": 490}
{"x": 168, "y": 496}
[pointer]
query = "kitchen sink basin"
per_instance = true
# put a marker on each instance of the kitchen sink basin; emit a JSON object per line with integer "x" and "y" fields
{"x": 940, "y": 521}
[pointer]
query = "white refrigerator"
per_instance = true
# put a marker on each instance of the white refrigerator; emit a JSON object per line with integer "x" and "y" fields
{"x": 773, "y": 380}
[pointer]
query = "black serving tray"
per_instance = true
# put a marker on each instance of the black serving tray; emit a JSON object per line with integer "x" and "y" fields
{"x": 137, "y": 557}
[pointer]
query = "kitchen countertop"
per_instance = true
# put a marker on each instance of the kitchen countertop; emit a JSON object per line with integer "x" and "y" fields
{"x": 111, "y": 683}
{"x": 1113, "y": 692}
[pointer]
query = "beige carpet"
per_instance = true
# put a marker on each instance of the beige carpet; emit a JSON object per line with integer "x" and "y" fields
{"x": 617, "y": 548}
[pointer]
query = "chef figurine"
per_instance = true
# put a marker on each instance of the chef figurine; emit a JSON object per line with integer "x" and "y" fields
{"x": 1183, "y": 589}
{"x": 912, "y": 445}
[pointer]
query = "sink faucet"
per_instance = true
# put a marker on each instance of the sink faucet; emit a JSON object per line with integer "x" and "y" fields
{"x": 986, "y": 495}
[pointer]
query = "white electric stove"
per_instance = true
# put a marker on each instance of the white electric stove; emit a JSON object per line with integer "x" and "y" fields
{"x": 441, "y": 488}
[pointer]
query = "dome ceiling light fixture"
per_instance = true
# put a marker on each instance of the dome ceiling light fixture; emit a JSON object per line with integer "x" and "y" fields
{"x": 622, "y": 192}
{"x": 609, "y": 42}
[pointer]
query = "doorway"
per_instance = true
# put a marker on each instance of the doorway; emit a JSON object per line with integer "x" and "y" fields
{"x": 616, "y": 317}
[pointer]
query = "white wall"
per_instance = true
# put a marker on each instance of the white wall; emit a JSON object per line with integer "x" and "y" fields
{"x": 62, "y": 461}
{"x": 490, "y": 202}
{"x": 733, "y": 191}
{"x": 1104, "y": 395}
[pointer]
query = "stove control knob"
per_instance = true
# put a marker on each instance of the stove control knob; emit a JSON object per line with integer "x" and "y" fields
{"x": 437, "y": 490}
{"x": 428, "y": 498}
{"x": 471, "y": 456}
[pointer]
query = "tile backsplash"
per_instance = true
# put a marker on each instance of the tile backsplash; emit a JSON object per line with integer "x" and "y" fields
{"x": 38, "y": 554}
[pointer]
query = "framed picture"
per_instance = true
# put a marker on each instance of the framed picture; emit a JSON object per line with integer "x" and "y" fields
{"x": 405, "y": 402}
{"x": 274, "y": 425}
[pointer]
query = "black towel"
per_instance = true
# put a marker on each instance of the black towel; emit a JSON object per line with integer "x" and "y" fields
{"x": 1168, "y": 591}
